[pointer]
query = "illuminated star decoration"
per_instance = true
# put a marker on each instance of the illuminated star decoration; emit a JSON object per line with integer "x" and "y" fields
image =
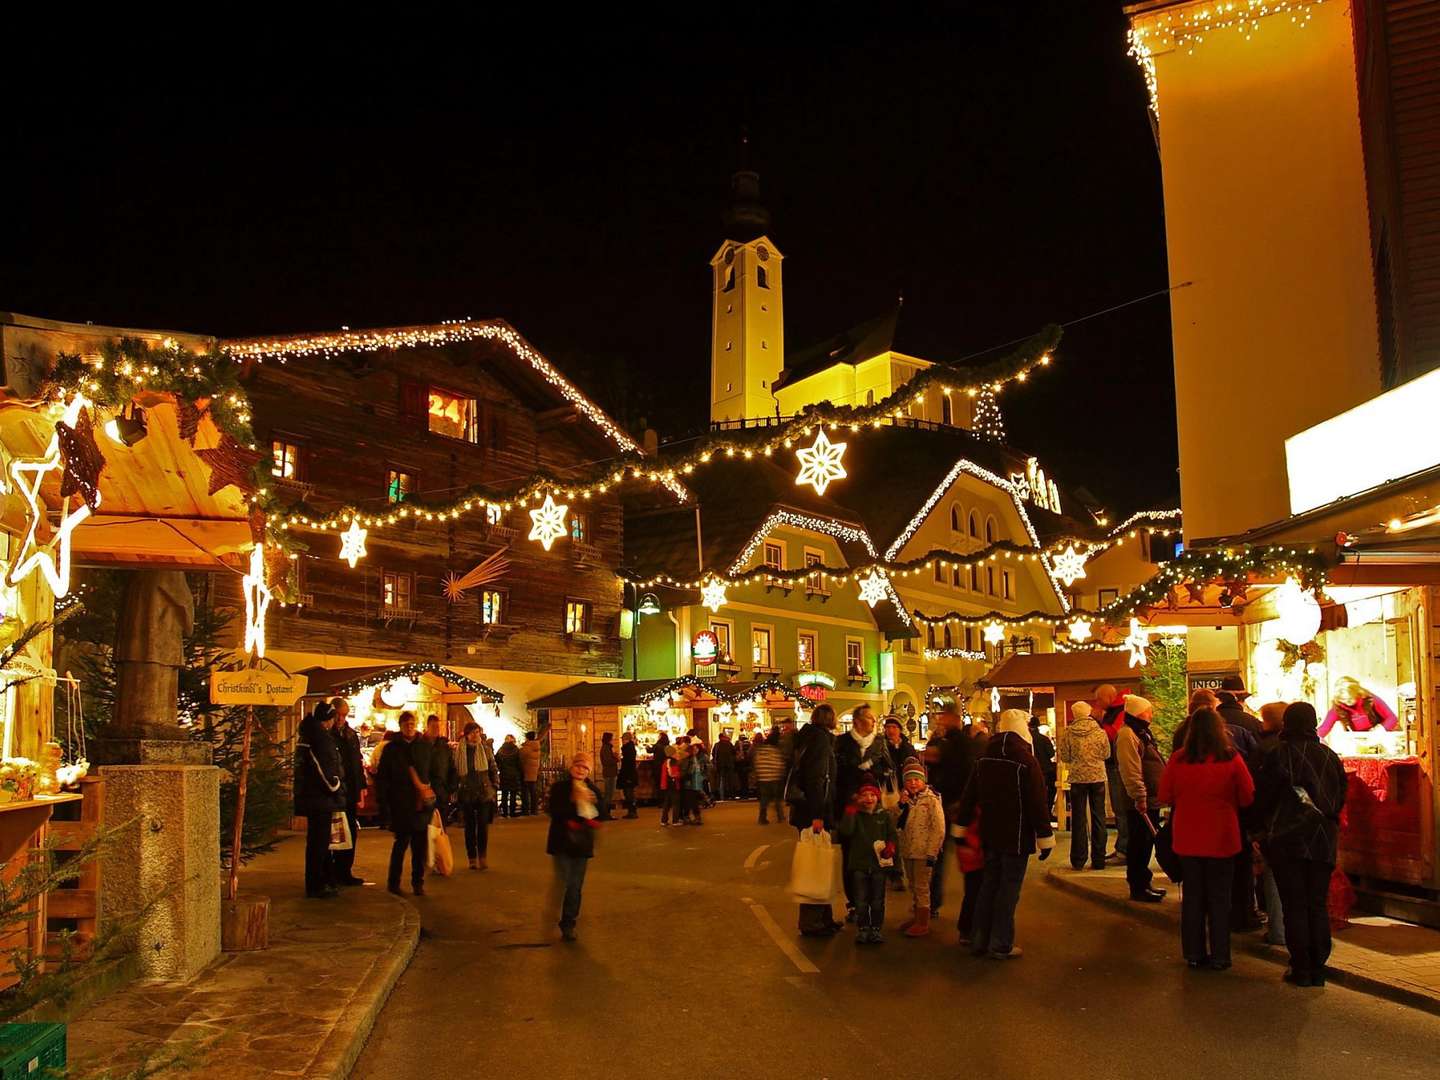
{"x": 52, "y": 559}
{"x": 257, "y": 600}
{"x": 820, "y": 464}
{"x": 873, "y": 588}
{"x": 548, "y": 522}
{"x": 712, "y": 594}
{"x": 230, "y": 463}
{"x": 352, "y": 543}
{"x": 1080, "y": 630}
{"x": 994, "y": 633}
{"x": 1069, "y": 565}
{"x": 1137, "y": 643}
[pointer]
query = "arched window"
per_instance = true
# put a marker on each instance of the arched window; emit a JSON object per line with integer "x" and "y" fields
{"x": 762, "y": 278}
{"x": 991, "y": 529}
{"x": 969, "y": 640}
{"x": 948, "y": 643}
{"x": 990, "y": 580}
{"x": 975, "y": 524}
{"x": 946, "y": 417}
{"x": 957, "y": 519}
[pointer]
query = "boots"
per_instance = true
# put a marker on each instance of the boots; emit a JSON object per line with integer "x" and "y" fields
{"x": 905, "y": 926}
{"x": 921, "y": 926}
{"x": 474, "y": 863}
{"x": 480, "y": 863}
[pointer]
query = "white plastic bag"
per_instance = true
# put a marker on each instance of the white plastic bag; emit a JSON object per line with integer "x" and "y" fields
{"x": 813, "y": 872}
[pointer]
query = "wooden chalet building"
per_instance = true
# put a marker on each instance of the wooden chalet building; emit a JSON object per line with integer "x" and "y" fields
{"x": 412, "y": 417}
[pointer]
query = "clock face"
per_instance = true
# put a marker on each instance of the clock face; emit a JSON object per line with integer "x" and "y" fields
{"x": 762, "y": 253}
{"x": 729, "y": 256}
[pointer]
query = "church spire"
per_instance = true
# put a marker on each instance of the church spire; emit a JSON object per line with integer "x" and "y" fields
{"x": 746, "y": 217}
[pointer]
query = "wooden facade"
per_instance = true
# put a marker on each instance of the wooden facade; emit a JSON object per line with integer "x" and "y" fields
{"x": 347, "y": 426}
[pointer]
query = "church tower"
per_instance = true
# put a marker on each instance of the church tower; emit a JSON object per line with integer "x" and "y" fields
{"x": 747, "y": 324}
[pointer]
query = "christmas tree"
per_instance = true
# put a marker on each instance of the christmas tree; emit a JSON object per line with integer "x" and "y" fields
{"x": 989, "y": 423}
{"x": 1165, "y": 684}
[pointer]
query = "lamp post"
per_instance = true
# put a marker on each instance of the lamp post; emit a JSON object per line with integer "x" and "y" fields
{"x": 646, "y": 604}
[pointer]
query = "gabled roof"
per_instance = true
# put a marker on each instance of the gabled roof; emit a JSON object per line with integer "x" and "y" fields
{"x": 859, "y": 343}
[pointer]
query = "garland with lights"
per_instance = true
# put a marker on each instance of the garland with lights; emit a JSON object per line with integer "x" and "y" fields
{"x": 413, "y": 672}
{"x": 718, "y": 692}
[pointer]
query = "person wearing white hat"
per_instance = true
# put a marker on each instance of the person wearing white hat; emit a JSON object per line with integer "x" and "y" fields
{"x": 1141, "y": 767}
{"x": 1085, "y": 748}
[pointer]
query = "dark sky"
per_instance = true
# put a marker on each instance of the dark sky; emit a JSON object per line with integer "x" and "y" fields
{"x": 997, "y": 168}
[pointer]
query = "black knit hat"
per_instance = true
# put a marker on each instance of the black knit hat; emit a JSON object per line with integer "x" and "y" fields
{"x": 1300, "y": 718}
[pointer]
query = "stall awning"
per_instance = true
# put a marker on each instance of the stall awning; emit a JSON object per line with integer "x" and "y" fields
{"x": 346, "y": 682}
{"x": 589, "y": 695}
{"x": 1057, "y": 669}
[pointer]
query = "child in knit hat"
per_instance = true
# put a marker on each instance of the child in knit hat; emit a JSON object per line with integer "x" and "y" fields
{"x": 871, "y": 833}
{"x": 922, "y": 836}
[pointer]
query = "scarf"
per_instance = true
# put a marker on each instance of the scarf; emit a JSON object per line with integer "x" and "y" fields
{"x": 584, "y": 800}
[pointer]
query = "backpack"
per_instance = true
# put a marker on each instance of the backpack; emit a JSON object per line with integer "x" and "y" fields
{"x": 1295, "y": 818}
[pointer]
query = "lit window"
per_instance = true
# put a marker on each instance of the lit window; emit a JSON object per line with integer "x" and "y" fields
{"x": 990, "y": 531}
{"x": 284, "y": 460}
{"x": 775, "y": 556}
{"x": 722, "y": 640}
{"x": 854, "y": 656}
{"x": 974, "y": 579}
{"x": 492, "y": 607}
{"x": 399, "y": 485}
{"x": 807, "y": 652}
{"x": 949, "y": 642}
{"x": 577, "y": 616}
{"x": 493, "y": 514}
{"x": 580, "y": 527}
{"x": 397, "y": 590}
{"x": 760, "y": 646}
{"x": 453, "y": 416}
{"x": 815, "y": 583}
{"x": 990, "y": 580}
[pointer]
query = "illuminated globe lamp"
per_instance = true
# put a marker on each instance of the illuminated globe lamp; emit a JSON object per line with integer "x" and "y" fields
{"x": 399, "y": 693}
{"x": 1297, "y": 613}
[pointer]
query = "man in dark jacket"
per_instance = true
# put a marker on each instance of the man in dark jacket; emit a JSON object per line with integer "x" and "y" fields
{"x": 1109, "y": 713}
{"x": 407, "y": 801}
{"x": 319, "y": 791}
{"x": 859, "y": 755}
{"x": 723, "y": 758}
{"x": 812, "y": 781}
{"x": 507, "y": 760}
{"x": 950, "y": 758}
{"x": 742, "y": 765}
{"x": 1007, "y": 787}
{"x": 629, "y": 776}
{"x": 442, "y": 767}
{"x": 352, "y": 767}
{"x": 570, "y": 840}
{"x": 1232, "y": 690}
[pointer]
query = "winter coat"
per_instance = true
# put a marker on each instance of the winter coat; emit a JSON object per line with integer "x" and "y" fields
{"x": 1305, "y": 762}
{"x": 1207, "y": 797}
{"x": 951, "y": 763}
{"x": 922, "y": 826}
{"x": 629, "y": 775}
{"x": 609, "y": 761}
{"x": 475, "y": 785}
{"x": 508, "y": 759}
{"x": 1044, "y": 751}
{"x": 570, "y": 834}
{"x": 442, "y": 767}
{"x": 852, "y": 761}
{"x": 319, "y": 781}
{"x": 694, "y": 770}
{"x": 530, "y": 760}
{"x": 863, "y": 830}
{"x": 1366, "y": 713}
{"x": 1140, "y": 764}
{"x": 352, "y": 763}
{"x": 898, "y": 754}
{"x": 1008, "y": 789}
{"x": 1246, "y": 742}
{"x": 1111, "y": 721}
{"x": 1085, "y": 748}
{"x": 724, "y": 754}
{"x": 396, "y": 789}
{"x": 810, "y": 785}
{"x": 769, "y": 762}
{"x": 669, "y": 778}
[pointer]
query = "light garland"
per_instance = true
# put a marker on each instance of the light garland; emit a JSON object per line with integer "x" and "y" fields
{"x": 548, "y": 522}
{"x": 752, "y": 696}
{"x": 820, "y": 464}
{"x": 52, "y": 559}
{"x": 257, "y": 601}
{"x": 413, "y": 672}
{"x": 955, "y": 654}
{"x": 352, "y": 544}
{"x": 1186, "y": 27}
{"x": 988, "y": 422}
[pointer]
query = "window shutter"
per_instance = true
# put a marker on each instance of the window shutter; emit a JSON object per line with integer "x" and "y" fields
{"x": 413, "y": 399}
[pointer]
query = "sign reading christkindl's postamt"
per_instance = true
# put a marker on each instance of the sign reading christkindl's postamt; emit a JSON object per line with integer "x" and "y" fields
{"x": 255, "y": 687}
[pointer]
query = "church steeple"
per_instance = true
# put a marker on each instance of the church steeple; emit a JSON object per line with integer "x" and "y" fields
{"x": 746, "y": 217}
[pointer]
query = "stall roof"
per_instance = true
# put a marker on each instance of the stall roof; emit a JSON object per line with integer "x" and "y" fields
{"x": 1054, "y": 669}
{"x": 342, "y": 682}
{"x": 587, "y": 694}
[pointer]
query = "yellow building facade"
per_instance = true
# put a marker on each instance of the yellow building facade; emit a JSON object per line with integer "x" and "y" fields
{"x": 747, "y": 341}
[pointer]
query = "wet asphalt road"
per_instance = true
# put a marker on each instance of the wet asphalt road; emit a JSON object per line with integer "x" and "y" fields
{"x": 678, "y": 972}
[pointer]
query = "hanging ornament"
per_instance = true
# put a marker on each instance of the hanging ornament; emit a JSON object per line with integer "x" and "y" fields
{"x": 1298, "y": 613}
{"x": 52, "y": 559}
{"x": 712, "y": 594}
{"x": 1137, "y": 643}
{"x": 80, "y": 460}
{"x": 257, "y": 600}
{"x": 1196, "y": 590}
{"x": 820, "y": 463}
{"x": 548, "y": 522}
{"x": 874, "y": 588}
{"x": 1080, "y": 630}
{"x": 187, "y": 419}
{"x": 994, "y": 633}
{"x": 352, "y": 543}
{"x": 230, "y": 465}
{"x": 1069, "y": 565}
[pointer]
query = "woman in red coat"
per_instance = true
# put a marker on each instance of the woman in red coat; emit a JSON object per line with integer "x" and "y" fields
{"x": 1207, "y": 784}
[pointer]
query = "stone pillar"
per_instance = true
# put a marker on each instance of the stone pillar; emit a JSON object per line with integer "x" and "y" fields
{"x": 168, "y": 859}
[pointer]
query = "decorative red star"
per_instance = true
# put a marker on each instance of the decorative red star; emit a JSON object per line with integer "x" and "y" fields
{"x": 80, "y": 459}
{"x": 230, "y": 463}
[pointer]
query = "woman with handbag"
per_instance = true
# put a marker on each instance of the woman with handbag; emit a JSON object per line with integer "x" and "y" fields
{"x": 574, "y": 817}
{"x": 476, "y": 778}
{"x": 1207, "y": 785}
{"x": 1300, "y": 793}
{"x": 319, "y": 795}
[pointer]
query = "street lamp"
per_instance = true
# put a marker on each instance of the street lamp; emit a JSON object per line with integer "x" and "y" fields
{"x": 641, "y": 605}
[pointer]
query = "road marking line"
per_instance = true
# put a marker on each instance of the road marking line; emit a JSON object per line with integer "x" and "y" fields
{"x": 750, "y": 859}
{"x": 787, "y": 946}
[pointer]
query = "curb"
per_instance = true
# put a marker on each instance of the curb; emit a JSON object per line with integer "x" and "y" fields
{"x": 1275, "y": 954}
{"x": 340, "y": 1050}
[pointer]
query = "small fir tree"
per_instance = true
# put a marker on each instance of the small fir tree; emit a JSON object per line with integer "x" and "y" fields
{"x": 1165, "y": 685}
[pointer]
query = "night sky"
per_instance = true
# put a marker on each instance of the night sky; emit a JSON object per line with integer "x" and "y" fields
{"x": 997, "y": 169}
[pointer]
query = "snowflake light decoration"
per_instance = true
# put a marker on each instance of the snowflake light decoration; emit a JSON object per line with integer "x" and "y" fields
{"x": 1137, "y": 643}
{"x": 1069, "y": 565}
{"x": 548, "y": 522}
{"x": 874, "y": 588}
{"x": 994, "y": 633}
{"x": 1080, "y": 630}
{"x": 352, "y": 543}
{"x": 820, "y": 463}
{"x": 712, "y": 594}
{"x": 257, "y": 600}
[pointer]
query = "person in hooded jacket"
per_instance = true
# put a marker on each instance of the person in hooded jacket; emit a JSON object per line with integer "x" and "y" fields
{"x": 319, "y": 788}
{"x": 811, "y": 782}
{"x": 1007, "y": 788}
{"x": 1302, "y": 836}
{"x": 1141, "y": 766}
{"x": 1085, "y": 750}
{"x": 476, "y": 777}
{"x": 352, "y": 762}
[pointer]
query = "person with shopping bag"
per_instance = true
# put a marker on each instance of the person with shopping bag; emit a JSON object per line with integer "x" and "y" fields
{"x": 319, "y": 795}
{"x": 407, "y": 801}
{"x": 810, "y": 793}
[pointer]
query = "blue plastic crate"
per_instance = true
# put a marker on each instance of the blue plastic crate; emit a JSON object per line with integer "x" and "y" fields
{"x": 28, "y": 1050}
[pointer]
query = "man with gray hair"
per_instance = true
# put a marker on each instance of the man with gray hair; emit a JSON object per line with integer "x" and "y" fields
{"x": 352, "y": 770}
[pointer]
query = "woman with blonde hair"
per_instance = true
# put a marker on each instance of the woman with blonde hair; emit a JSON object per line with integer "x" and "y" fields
{"x": 1357, "y": 709}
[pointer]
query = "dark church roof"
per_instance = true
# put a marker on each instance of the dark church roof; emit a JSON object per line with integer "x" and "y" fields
{"x": 852, "y": 346}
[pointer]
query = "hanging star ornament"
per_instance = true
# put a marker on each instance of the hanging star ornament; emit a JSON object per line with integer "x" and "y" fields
{"x": 712, "y": 594}
{"x": 874, "y": 588}
{"x": 352, "y": 543}
{"x": 52, "y": 559}
{"x": 1069, "y": 565}
{"x": 1080, "y": 630}
{"x": 257, "y": 600}
{"x": 994, "y": 633}
{"x": 1137, "y": 643}
{"x": 547, "y": 524}
{"x": 230, "y": 463}
{"x": 820, "y": 464}
{"x": 81, "y": 461}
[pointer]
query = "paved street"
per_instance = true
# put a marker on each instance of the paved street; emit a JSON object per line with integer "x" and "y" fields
{"x": 677, "y": 972}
